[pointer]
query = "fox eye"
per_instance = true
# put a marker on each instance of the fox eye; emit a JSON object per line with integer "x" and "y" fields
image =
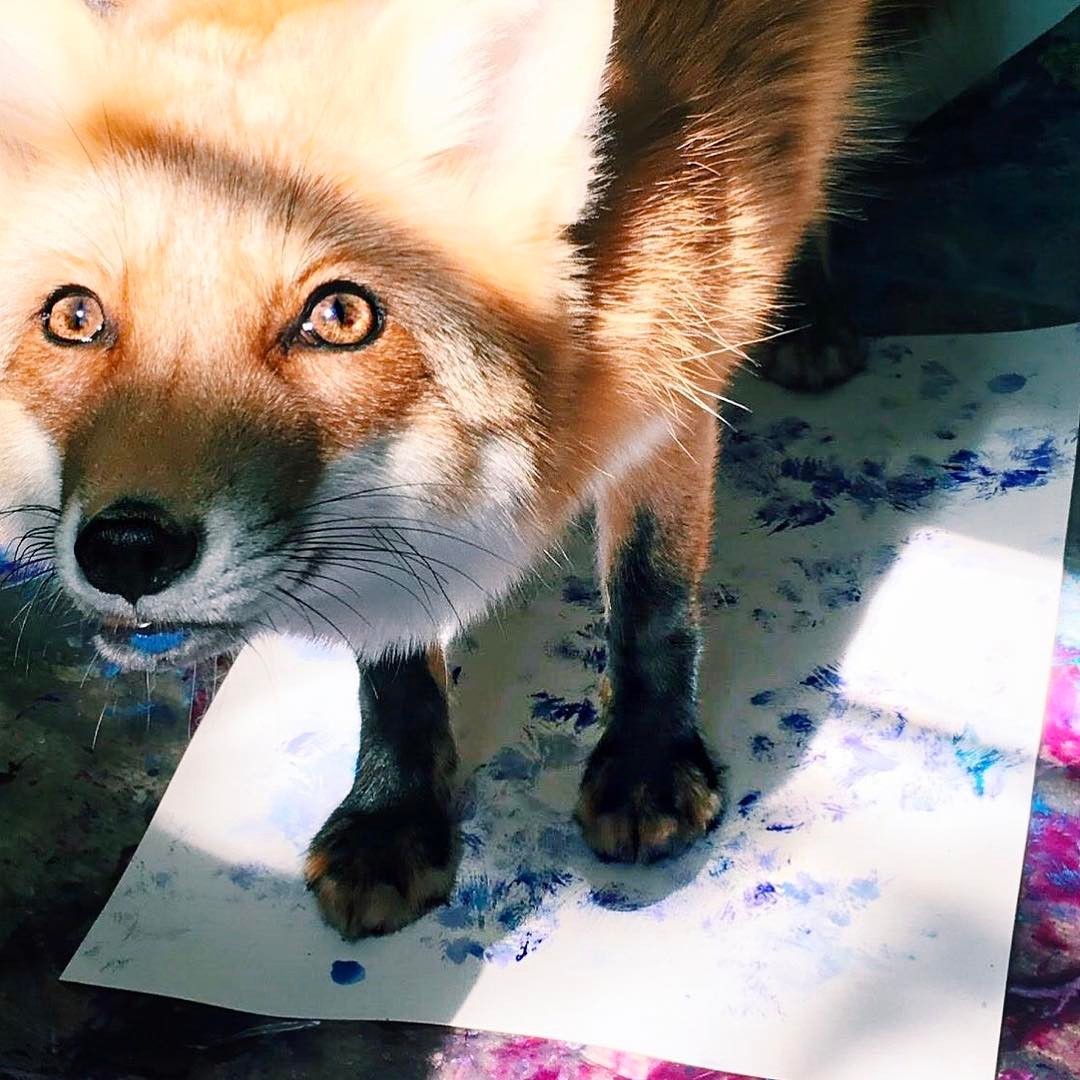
{"x": 341, "y": 315}
{"x": 73, "y": 316}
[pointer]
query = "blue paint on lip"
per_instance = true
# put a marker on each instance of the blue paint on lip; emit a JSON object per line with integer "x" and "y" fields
{"x": 347, "y": 972}
{"x": 161, "y": 642}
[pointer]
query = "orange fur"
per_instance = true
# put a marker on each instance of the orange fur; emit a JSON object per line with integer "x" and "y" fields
{"x": 571, "y": 267}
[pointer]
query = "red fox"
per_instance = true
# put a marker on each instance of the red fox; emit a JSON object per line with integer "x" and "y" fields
{"x": 326, "y": 316}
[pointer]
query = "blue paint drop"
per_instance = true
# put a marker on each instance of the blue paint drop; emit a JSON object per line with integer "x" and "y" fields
{"x": 763, "y": 698}
{"x": 347, "y": 972}
{"x": 747, "y": 801}
{"x": 161, "y": 642}
{"x": 1006, "y": 384}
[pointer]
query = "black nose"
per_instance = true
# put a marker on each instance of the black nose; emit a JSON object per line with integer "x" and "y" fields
{"x": 135, "y": 549}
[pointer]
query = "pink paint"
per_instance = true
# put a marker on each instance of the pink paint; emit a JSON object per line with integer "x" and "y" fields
{"x": 1053, "y": 860}
{"x": 1061, "y": 732}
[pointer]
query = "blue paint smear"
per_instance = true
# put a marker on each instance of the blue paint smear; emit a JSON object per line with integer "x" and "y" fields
{"x": 865, "y": 889}
{"x": 975, "y": 759}
{"x": 558, "y": 710}
{"x": 511, "y": 764}
{"x": 825, "y": 679}
{"x": 937, "y": 381}
{"x": 1065, "y": 877}
{"x": 347, "y": 972}
{"x": 747, "y": 802}
{"x": 460, "y": 949}
{"x": 1006, "y": 384}
{"x": 757, "y": 464}
{"x": 763, "y": 894}
{"x": 613, "y": 898}
{"x": 787, "y": 591}
{"x": 762, "y": 746}
{"x": 244, "y": 877}
{"x": 580, "y": 591}
{"x": 804, "y": 891}
{"x": 763, "y": 698}
{"x": 152, "y": 644}
{"x": 783, "y": 828}
{"x": 798, "y": 722}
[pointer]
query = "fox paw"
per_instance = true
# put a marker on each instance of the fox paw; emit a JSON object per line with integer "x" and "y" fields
{"x": 644, "y": 803}
{"x": 814, "y": 358}
{"x": 375, "y": 871}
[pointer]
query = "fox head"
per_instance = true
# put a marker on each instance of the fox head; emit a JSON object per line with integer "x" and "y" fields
{"x": 290, "y": 309}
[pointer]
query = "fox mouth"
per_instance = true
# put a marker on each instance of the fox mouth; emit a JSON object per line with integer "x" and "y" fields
{"x": 149, "y": 646}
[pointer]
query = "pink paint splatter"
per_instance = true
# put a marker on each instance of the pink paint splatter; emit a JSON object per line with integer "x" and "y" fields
{"x": 1061, "y": 732}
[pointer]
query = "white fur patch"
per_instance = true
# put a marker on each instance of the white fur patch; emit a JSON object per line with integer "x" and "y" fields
{"x": 29, "y": 472}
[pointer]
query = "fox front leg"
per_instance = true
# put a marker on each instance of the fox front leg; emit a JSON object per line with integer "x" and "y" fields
{"x": 650, "y": 787}
{"x": 389, "y": 852}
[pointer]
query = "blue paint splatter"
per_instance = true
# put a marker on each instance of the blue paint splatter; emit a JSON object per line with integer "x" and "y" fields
{"x": 761, "y": 746}
{"x": 764, "y": 698}
{"x": 512, "y": 764}
{"x": 580, "y": 591}
{"x": 558, "y": 710}
{"x": 787, "y": 591}
{"x": 1065, "y": 877}
{"x": 781, "y": 514}
{"x": 161, "y": 642}
{"x": 765, "y": 893}
{"x": 784, "y": 827}
{"x": 798, "y": 722}
{"x": 460, "y": 949}
{"x": 613, "y": 898}
{"x": 976, "y": 759}
{"x": 747, "y": 801}
{"x": 937, "y": 381}
{"x": 865, "y": 889}
{"x": 1006, "y": 384}
{"x": 824, "y": 679}
{"x": 347, "y": 972}
{"x": 723, "y": 596}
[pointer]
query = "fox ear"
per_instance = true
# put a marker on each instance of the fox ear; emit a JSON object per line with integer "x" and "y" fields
{"x": 510, "y": 90}
{"x": 49, "y": 50}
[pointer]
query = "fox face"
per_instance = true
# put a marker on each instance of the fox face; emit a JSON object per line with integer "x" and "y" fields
{"x": 286, "y": 337}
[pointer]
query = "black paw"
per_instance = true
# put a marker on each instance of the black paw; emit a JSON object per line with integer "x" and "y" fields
{"x": 375, "y": 871}
{"x": 814, "y": 358}
{"x": 640, "y": 803}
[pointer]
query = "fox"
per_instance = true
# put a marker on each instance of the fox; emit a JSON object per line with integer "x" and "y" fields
{"x": 326, "y": 317}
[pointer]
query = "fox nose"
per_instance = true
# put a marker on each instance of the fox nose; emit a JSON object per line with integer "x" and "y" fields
{"x": 134, "y": 549}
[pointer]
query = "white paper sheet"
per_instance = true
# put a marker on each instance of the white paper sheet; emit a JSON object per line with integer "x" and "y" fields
{"x": 880, "y": 618}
